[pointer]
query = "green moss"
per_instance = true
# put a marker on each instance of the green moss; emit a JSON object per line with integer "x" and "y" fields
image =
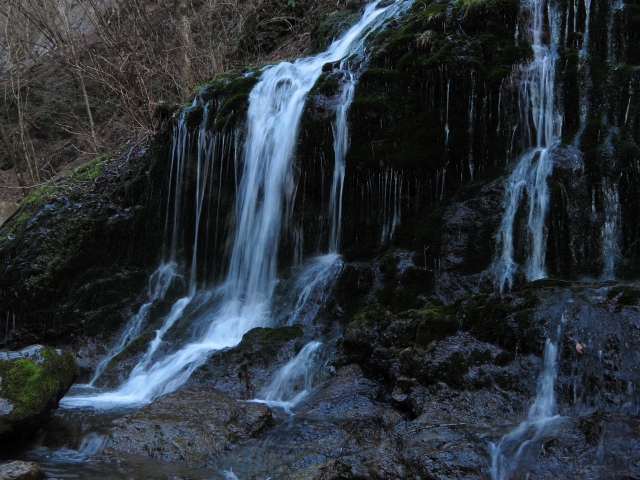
{"x": 235, "y": 102}
{"x": 64, "y": 235}
{"x": 329, "y": 29}
{"x": 329, "y": 87}
{"x": 31, "y": 387}
{"x": 24, "y": 382}
{"x": 193, "y": 116}
{"x": 437, "y": 323}
{"x": 507, "y": 322}
{"x": 261, "y": 345}
{"x": 372, "y": 314}
{"x": 624, "y": 295}
{"x": 270, "y": 335}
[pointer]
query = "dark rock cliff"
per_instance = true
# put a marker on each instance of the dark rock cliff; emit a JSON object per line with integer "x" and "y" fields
{"x": 443, "y": 364}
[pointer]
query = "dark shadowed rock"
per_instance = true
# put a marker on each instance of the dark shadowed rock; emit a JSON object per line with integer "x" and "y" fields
{"x": 193, "y": 426}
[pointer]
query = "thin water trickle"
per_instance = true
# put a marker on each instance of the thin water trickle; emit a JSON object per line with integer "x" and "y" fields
{"x": 542, "y": 416}
{"x": 310, "y": 288}
{"x": 264, "y": 195}
{"x": 611, "y": 229}
{"x": 294, "y": 381}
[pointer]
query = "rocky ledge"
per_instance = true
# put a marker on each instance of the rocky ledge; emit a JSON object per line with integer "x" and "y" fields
{"x": 192, "y": 426}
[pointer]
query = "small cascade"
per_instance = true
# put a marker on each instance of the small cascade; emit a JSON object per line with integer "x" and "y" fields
{"x": 585, "y": 36}
{"x": 165, "y": 274}
{"x": 584, "y": 84}
{"x": 264, "y": 197}
{"x": 610, "y": 229}
{"x": 310, "y": 288}
{"x": 536, "y": 164}
{"x": 616, "y": 6}
{"x": 92, "y": 444}
{"x": 542, "y": 416}
{"x": 293, "y": 382}
{"x": 159, "y": 284}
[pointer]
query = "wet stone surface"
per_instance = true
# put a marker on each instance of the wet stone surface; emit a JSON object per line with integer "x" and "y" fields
{"x": 192, "y": 426}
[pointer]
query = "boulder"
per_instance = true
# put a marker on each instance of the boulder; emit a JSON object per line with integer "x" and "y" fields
{"x": 21, "y": 471}
{"x": 32, "y": 382}
{"x": 193, "y": 426}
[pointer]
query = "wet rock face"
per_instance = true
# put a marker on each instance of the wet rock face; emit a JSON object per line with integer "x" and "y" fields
{"x": 241, "y": 371}
{"x": 193, "y": 426}
{"x": 465, "y": 384}
{"x": 597, "y": 365}
{"x": 21, "y": 471}
{"x": 32, "y": 382}
{"x": 78, "y": 251}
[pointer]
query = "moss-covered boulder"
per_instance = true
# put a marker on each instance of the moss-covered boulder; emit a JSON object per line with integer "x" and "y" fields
{"x": 32, "y": 382}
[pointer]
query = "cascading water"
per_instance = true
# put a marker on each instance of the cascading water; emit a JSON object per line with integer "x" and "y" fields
{"x": 264, "y": 195}
{"x": 159, "y": 284}
{"x": 610, "y": 230}
{"x": 542, "y": 416}
{"x": 293, "y": 382}
{"x": 536, "y": 164}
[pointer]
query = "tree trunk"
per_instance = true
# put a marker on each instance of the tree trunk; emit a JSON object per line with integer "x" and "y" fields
{"x": 185, "y": 44}
{"x": 12, "y": 156}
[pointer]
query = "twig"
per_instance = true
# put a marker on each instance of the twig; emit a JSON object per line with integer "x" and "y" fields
{"x": 429, "y": 427}
{"x": 347, "y": 439}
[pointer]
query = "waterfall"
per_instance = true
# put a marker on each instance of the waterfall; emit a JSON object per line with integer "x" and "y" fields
{"x": 264, "y": 196}
{"x": 542, "y": 127}
{"x": 542, "y": 415}
{"x": 293, "y": 382}
{"x": 340, "y": 145}
{"x": 166, "y": 273}
{"x": 611, "y": 229}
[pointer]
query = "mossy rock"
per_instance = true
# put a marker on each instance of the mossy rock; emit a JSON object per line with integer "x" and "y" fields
{"x": 137, "y": 346}
{"x": 32, "y": 383}
{"x": 438, "y": 323}
{"x": 624, "y": 295}
{"x": 362, "y": 333}
{"x": 264, "y": 343}
{"x": 193, "y": 116}
{"x": 331, "y": 27}
{"x": 81, "y": 247}
{"x": 372, "y": 315}
{"x": 505, "y": 321}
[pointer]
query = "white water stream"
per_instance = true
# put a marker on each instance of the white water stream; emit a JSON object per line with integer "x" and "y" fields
{"x": 264, "y": 196}
{"x": 542, "y": 416}
{"x": 543, "y": 126}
